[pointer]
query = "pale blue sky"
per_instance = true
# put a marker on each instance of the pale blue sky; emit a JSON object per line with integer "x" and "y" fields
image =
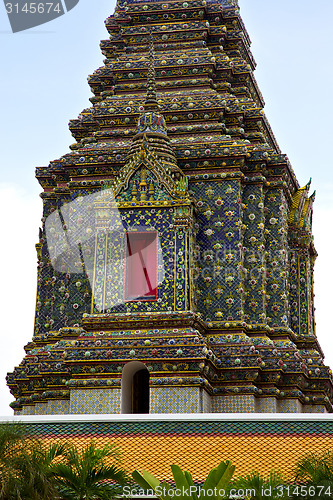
{"x": 44, "y": 84}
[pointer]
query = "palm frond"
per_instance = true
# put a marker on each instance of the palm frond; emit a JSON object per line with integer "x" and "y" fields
{"x": 315, "y": 468}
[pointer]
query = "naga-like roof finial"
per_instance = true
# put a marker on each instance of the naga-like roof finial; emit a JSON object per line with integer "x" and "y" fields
{"x": 313, "y": 196}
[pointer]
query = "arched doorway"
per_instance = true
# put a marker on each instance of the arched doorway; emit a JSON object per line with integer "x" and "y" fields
{"x": 135, "y": 388}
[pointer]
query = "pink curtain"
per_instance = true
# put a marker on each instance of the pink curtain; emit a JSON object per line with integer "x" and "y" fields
{"x": 141, "y": 265}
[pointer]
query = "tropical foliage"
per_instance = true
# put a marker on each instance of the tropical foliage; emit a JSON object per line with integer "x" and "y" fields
{"x": 87, "y": 475}
{"x": 315, "y": 473}
{"x": 256, "y": 487}
{"x": 25, "y": 465}
{"x": 31, "y": 471}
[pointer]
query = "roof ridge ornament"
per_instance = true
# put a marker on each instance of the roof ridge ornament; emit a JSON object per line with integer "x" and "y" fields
{"x": 307, "y": 186}
{"x": 313, "y": 196}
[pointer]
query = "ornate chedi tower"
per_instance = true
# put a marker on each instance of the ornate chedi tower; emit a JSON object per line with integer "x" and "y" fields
{"x": 175, "y": 261}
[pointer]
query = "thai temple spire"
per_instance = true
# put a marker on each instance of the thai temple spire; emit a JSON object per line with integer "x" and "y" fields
{"x": 151, "y": 121}
{"x": 151, "y": 99}
{"x": 176, "y": 255}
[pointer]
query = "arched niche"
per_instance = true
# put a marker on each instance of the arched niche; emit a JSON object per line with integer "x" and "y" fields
{"x": 135, "y": 388}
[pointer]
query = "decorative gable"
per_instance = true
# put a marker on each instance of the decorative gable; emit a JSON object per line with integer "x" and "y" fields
{"x": 147, "y": 177}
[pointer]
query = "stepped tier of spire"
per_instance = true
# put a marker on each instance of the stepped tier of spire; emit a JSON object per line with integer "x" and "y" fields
{"x": 175, "y": 143}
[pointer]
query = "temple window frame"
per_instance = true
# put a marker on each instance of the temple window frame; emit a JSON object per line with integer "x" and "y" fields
{"x": 130, "y": 263}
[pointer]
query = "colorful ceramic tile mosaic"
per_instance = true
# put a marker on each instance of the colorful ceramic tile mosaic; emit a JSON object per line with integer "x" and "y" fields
{"x": 235, "y": 404}
{"x": 219, "y": 305}
{"x": 175, "y": 400}
{"x": 94, "y": 401}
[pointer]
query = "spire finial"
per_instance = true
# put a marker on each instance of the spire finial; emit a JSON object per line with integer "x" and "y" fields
{"x": 151, "y": 100}
{"x": 313, "y": 196}
{"x": 151, "y": 121}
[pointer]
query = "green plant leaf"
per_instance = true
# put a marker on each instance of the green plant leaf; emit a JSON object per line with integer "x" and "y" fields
{"x": 145, "y": 480}
{"x": 165, "y": 488}
{"x": 148, "y": 481}
{"x": 181, "y": 482}
{"x": 225, "y": 479}
{"x": 179, "y": 477}
{"x": 191, "y": 483}
{"x": 218, "y": 478}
